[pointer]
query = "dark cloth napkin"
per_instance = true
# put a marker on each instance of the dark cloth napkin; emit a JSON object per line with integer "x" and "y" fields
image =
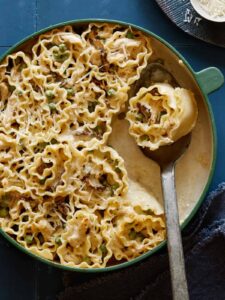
{"x": 204, "y": 248}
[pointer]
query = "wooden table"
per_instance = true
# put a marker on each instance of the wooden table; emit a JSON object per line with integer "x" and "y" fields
{"x": 21, "y": 276}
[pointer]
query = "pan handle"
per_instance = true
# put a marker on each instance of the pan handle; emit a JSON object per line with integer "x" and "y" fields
{"x": 210, "y": 79}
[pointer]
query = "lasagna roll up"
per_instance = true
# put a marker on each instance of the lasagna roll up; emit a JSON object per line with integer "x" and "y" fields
{"x": 160, "y": 115}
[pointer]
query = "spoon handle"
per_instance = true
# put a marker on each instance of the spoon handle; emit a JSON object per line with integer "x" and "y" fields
{"x": 174, "y": 242}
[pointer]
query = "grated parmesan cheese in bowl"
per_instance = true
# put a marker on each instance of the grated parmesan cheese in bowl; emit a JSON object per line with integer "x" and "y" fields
{"x": 213, "y": 10}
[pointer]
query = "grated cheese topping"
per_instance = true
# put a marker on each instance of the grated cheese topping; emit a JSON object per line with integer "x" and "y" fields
{"x": 215, "y": 8}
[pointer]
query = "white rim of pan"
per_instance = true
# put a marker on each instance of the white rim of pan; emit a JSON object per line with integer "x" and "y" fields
{"x": 201, "y": 11}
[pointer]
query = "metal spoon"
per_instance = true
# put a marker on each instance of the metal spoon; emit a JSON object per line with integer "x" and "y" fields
{"x": 166, "y": 157}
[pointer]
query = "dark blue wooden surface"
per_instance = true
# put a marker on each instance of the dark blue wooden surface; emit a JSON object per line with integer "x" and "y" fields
{"x": 21, "y": 277}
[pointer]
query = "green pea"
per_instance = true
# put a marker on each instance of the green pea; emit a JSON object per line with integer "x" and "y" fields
{"x": 21, "y": 143}
{"x": 103, "y": 249}
{"x": 11, "y": 88}
{"x": 49, "y": 95}
{"x": 139, "y": 117}
{"x": 116, "y": 162}
{"x": 58, "y": 240}
{"x": 70, "y": 92}
{"x": 144, "y": 137}
{"x": 4, "y": 212}
{"x": 92, "y": 106}
{"x": 130, "y": 35}
{"x": 99, "y": 129}
{"x": 87, "y": 260}
{"x": 118, "y": 170}
{"x": 19, "y": 93}
{"x": 42, "y": 181}
{"x": 29, "y": 239}
{"x": 42, "y": 145}
{"x": 56, "y": 55}
{"x": 54, "y": 141}
{"x": 111, "y": 92}
{"x": 61, "y": 57}
{"x": 21, "y": 67}
{"x": 90, "y": 151}
{"x": 62, "y": 48}
{"x": 115, "y": 186}
{"x": 141, "y": 236}
{"x": 111, "y": 161}
{"x": 162, "y": 113}
{"x": 52, "y": 107}
{"x": 132, "y": 234}
{"x": 98, "y": 37}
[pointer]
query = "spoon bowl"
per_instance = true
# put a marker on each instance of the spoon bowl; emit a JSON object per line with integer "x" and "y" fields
{"x": 154, "y": 72}
{"x": 168, "y": 154}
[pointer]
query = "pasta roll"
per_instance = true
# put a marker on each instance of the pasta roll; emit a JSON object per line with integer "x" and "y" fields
{"x": 59, "y": 52}
{"x": 160, "y": 115}
{"x": 119, "y": 51}
{"x": 14, "y": 69}
{"x": 82, "y": 242}
{"x": 129, "y": 51}
{"x": 135, "y": 231}
{"x": 103, "y": 178}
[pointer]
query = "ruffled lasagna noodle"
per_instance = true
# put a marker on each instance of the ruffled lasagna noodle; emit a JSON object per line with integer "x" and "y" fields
{"x": 160, "y": 115}
{"x": 62, "y": 189}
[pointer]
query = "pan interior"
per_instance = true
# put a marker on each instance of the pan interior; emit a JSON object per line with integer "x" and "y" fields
{"x": 192, "y": 170}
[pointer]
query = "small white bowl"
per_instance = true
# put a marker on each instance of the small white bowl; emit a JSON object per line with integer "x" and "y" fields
{"x": 197, "y": 6}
